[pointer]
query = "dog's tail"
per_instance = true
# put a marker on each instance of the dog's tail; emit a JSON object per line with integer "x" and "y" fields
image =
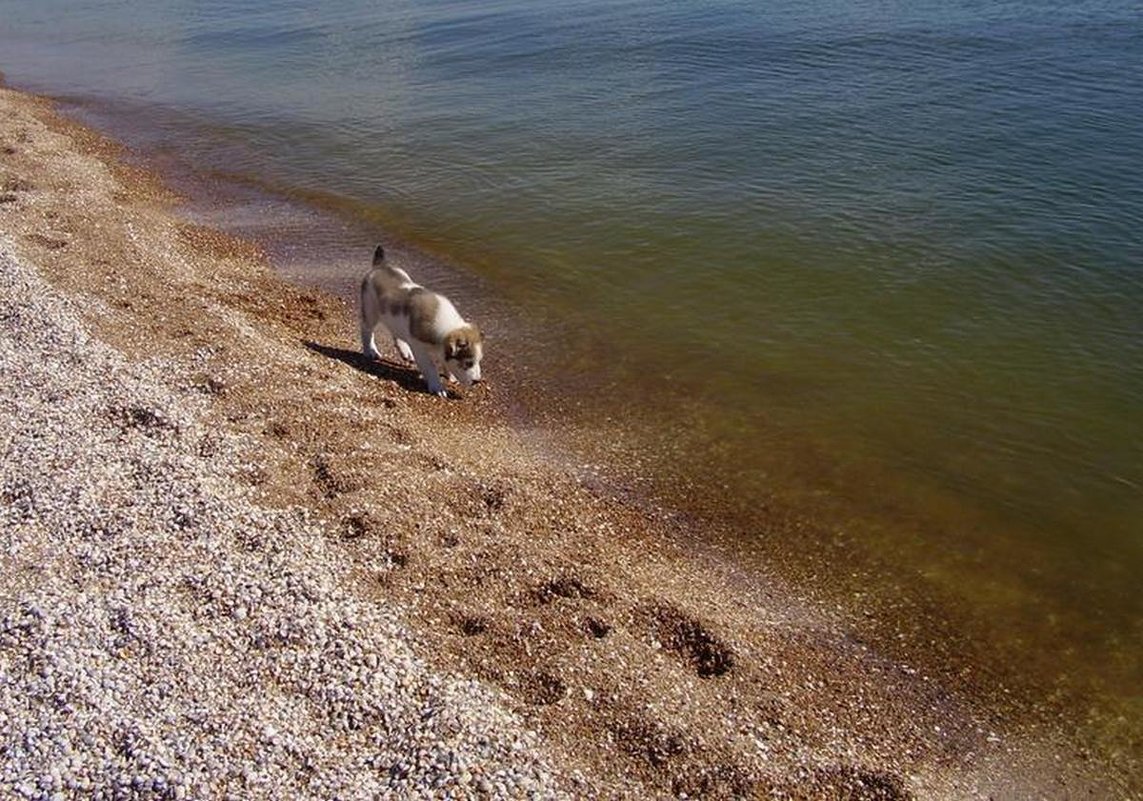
{"x": 378, "y": 256}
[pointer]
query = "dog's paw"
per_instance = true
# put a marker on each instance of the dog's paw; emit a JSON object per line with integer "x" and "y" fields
{"x": 441, "y": 393}
{"x": 405, "y": 351}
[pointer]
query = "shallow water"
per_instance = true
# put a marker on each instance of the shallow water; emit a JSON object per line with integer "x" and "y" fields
{"x": 880, "y": 262}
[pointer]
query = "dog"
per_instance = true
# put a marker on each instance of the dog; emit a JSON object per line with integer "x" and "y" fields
{"x": 425, "y": 326}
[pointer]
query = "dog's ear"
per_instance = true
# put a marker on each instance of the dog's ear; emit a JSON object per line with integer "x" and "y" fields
{"x": 378, "y": 255}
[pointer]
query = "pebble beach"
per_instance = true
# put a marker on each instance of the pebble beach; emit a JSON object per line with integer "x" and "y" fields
{"x": 238, "y": 562}
{"x": 146, "y": 656}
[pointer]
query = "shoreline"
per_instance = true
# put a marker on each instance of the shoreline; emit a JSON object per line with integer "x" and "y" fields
{"x": 929, "y": 576}
{"x": 603, "y": 626}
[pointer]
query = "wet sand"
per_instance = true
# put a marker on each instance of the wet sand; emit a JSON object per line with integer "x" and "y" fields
{"x": 648, "y": 663}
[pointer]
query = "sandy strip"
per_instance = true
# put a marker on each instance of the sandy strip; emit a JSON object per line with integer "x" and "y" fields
{"x": 238, "y": 560}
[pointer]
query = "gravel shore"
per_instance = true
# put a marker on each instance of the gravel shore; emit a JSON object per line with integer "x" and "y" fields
{"x": 237, "y": 561}
{"x": 165, "y": 637}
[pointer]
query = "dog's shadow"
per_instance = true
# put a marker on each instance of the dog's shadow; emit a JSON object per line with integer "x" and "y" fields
{"x": 408, "y": 378}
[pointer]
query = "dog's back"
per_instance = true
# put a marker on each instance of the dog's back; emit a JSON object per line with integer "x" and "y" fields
{"x": 384, "y": 277}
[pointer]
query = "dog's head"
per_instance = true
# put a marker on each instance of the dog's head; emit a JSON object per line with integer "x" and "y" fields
{"x": 463, "y": 349}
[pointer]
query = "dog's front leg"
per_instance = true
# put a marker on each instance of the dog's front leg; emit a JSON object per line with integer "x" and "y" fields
{"x": 428, "y": 367}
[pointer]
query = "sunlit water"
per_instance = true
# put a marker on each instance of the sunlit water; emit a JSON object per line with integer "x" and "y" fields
{"x": 880, "y": 258}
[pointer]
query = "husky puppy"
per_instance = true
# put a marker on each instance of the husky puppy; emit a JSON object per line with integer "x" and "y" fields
{"x": 425, "y": 326}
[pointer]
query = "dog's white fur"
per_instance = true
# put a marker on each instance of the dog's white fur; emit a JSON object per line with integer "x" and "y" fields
{"x": 425, "y": 326}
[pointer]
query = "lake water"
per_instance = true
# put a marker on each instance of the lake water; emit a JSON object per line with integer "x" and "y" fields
{"x": 880, "y": 263}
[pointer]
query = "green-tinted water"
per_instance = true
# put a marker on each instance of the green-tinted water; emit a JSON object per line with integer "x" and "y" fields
{"x": 878, "y": 263}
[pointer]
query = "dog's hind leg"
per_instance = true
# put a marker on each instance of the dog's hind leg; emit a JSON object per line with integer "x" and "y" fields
{"x": 368, "y": 345}
{"x": 368, "y": 320}
{"x": 404, "y": 349}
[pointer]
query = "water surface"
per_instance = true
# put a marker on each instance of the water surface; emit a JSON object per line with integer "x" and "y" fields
{"x": 876, "y": 262}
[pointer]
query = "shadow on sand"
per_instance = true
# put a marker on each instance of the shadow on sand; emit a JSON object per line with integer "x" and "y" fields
{"x": 408, "y": 378}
